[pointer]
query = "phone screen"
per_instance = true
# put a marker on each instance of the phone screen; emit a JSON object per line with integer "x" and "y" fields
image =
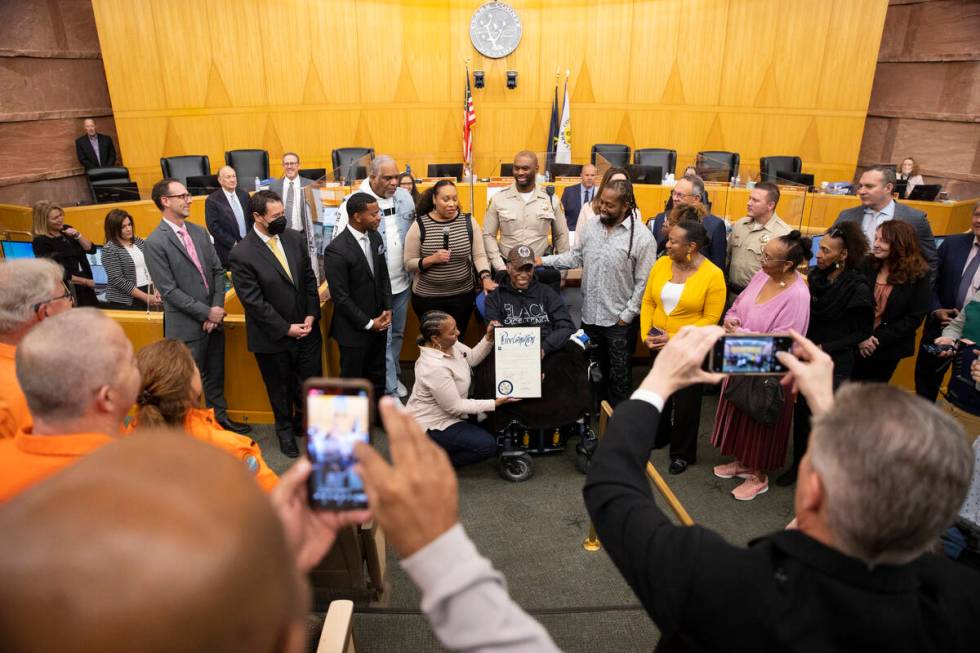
{"x": 750, "y": 354}
{"x": 336, "y": 419}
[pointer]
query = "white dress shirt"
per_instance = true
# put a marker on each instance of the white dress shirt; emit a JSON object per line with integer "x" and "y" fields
{"x": 142, "y": 273}
{"x": 874, "y": 219}
{"x": 240, "y": 214}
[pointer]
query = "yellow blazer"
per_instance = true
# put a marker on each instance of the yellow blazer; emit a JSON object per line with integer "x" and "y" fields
{"x": 701, "y": 304}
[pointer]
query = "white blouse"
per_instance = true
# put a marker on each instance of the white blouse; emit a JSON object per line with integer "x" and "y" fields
{"x": 670, "y": 296}
{"x": 142, "y": 274}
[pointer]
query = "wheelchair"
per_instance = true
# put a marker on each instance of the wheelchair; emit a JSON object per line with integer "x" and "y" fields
{"x": 520, "y": 438}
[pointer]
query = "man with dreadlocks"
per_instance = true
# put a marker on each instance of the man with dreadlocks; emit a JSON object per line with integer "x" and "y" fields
{"x": 615, "y": 253}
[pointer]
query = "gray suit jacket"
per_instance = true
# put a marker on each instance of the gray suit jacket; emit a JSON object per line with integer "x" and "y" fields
{"x": 186, "y": 300}
{"x": 915, "y": 218}
{"x": 277, "y": 186}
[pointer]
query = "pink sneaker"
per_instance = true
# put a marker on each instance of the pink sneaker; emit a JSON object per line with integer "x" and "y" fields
{"x": 731, "y": 470}
{"x": 751, "y": 488}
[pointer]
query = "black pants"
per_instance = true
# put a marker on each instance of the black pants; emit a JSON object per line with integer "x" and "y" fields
{"x": 283, "y": 374}
{"x": 465, "y": 443}
{"x": 615, "y": 350}
{"x": 459, "y": 306}
{"x": 209, "y": 355}
{"x": 874, "y": 369}
{"x": 367, "y": 362}
{"x": 679, "y": 424}
{"x": 802, "y": 418}
{"x": 929, "y": 368}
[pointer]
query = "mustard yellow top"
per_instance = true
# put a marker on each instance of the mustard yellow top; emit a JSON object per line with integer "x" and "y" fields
{"x": 701, "y": 304}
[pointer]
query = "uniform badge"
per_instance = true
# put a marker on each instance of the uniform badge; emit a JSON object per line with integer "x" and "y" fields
{"x": 764, "y": 238}
{"x": 251, "y": 464}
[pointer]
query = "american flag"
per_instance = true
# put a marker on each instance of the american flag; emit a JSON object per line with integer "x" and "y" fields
{"x": 469, "y": 119}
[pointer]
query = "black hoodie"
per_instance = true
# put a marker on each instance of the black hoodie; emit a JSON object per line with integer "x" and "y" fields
{"x": 539, "y": 305}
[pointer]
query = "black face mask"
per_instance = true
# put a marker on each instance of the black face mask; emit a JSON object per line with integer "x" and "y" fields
{"x": 277, "y": 226}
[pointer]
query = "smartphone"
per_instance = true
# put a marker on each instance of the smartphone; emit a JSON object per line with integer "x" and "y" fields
{"x": 936, "y": 350}
{"x": 749, "y": 354}
{"x": 338, "y": 415}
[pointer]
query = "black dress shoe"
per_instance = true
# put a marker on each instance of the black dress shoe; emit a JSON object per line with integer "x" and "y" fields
{"x": 787, "y": 478}
{"x": 677, "y": 466}
{"x": 288, "y": 447}
{"x": 234, "y": 427}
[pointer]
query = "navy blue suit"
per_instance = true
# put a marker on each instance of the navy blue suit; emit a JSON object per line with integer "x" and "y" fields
{"x": 717, "y": 232}
{"x": 571, "y": 202}
{"x": 951, "y": 259}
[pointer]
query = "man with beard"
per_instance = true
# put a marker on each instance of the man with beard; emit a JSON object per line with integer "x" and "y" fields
{"x": 525, "y": 214}
{"x": 615, "y": 253}
{"x": 397, "y": 214}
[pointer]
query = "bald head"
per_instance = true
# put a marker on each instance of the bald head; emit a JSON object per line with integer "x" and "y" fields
{"x": 78, "y": 366}
{"x": 525, "y": 170}
{"x": 157, "y": 560}
{"x": 228, "y": 178}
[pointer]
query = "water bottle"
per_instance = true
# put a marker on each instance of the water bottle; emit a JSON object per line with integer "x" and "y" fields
{"x": 408, "y": 170}
{"x": 258, "y": 182}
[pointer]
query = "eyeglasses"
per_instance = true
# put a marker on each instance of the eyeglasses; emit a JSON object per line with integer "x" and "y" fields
{"x": 765, "y": 258}
{"x": 67, "y": 296}
{"x": 183, "y": 196}
{"x": 290, "y": 163}
{"x": 680, "y": 196}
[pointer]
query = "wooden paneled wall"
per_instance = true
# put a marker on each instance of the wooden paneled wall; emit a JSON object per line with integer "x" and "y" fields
{"x": 752, "y": 76}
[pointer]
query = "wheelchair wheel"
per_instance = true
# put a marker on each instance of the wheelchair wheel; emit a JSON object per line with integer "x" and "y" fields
{"x": 516, "y": 468}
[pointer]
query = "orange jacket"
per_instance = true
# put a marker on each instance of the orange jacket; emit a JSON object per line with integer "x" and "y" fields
{"x": 200, "y": 423}
{"x": 26, "y": 459}
{"x": 14, "y": 416}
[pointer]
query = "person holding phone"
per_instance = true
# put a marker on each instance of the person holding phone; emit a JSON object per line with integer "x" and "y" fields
{"x": 841, "y": 316}
{"x": 684, "y": 288}
{"x": 170, "y": 395}
{"x": 442, "y": 382}
{"x": 899, "y": 275}
{"x": 67, "y": 247}
{"x": 775, "y": 301}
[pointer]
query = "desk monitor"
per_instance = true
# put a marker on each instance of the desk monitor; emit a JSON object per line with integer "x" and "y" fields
{"x": 454, "y": 170}
{"x": 901, "y": 185}
{"x": 646, "y": 174}
{"x": 800, "y": 178}
{"x": 925, "y": 192}
{"x": 17, "y": 249}
{"x": 565, "y": 170}
{"x": 207, "y": 184}
{"x": 123, "y": 191}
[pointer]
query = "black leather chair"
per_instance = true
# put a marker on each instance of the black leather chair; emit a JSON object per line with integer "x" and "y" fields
{"x": 111, "y": 185}
{"x": 616, "y": 155}
{"x": 182, "y": 167}
{"x": 772, "y": 167}
{"x": 717, "y": 165}
{"x": 348, "y": 160}
{"x": 506, "y": 169}
{"x": 655, "y": 156}
{"x": 565, "y": 170}
{"x": 248, "y": 165}
{"x": 445, "y": 170}
{"x": 207, "y": 184}
{"x": 313, "y": 174}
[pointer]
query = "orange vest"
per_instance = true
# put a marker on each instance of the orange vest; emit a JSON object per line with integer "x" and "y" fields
{"x": 26, "y": 459}
{"x": 14, "y": 415}
{"x": 200, "y": 423}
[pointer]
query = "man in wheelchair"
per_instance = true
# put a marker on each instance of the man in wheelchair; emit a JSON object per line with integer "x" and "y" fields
{"x": 520, "y": 300}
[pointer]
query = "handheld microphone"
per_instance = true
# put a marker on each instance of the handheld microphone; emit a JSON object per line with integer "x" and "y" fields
{"x": 445, "y": 237}
{"x": 550, "y": 190}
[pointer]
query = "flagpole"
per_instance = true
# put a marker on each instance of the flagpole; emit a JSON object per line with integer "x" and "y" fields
{"x": 472, "y": 158}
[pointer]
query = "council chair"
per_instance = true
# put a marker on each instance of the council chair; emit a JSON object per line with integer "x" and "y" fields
{"x": 772, "y": 168}
{"x": 182, "y": 167}
{"x": 111, "y": 185}
{"x": 348, "y": 161}
{"x": 615, "y": 154}
{"x": 248, "y": 165}
{"x": 313, "y": 174}
{"x": 656, "y": 156}
{"x": 717, "y": 165}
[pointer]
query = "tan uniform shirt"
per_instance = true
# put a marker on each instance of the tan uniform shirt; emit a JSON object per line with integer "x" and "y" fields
{"x": 745, "y": 245}
{"x": 521, "y": 223}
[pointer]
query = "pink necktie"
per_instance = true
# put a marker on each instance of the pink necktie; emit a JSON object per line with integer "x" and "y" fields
{"x": 189, "y": 246}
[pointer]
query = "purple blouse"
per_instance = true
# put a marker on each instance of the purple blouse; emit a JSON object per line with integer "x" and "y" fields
{"x": 789, "y": 309}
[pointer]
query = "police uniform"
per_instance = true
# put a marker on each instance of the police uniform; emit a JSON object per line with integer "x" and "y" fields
{"x": 745, "y": 245}
{"x": 519, "y": 222}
